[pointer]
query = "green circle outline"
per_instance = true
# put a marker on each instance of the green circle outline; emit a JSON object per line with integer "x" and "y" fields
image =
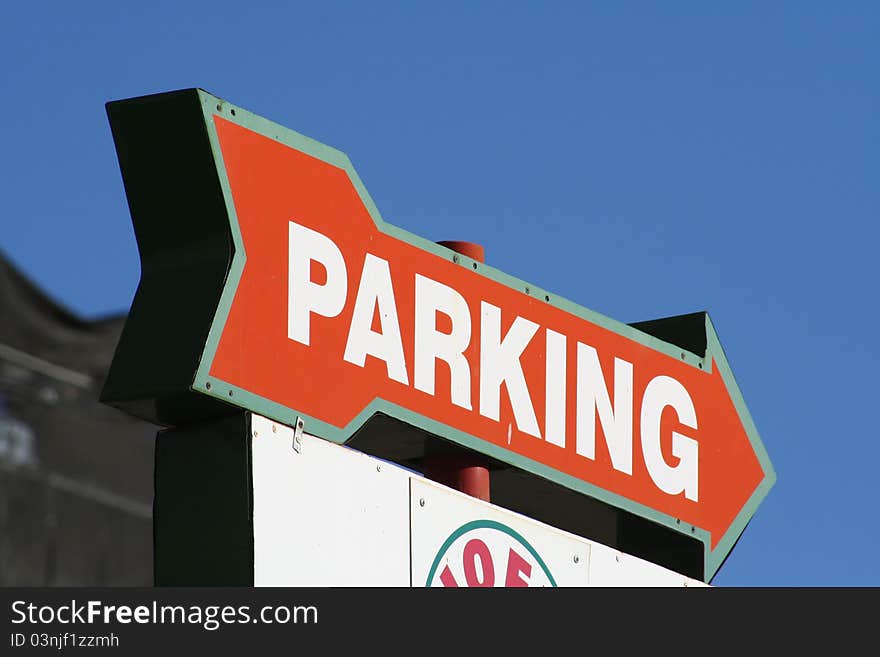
{"x": 489, "y": 524}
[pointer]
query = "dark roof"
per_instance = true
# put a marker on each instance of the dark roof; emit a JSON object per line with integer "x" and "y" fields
{"x": 76, "y": 476}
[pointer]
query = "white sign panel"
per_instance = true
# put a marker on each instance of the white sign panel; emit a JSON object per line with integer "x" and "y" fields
{"x": 326, "y": 515}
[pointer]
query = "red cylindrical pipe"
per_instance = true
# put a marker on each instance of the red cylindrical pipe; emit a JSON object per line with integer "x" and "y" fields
{"x": 468, "y": 474}
{"x": 469, "y": 249}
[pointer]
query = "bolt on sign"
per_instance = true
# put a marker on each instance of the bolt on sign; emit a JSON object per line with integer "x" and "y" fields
{"x": 271, "y": 282}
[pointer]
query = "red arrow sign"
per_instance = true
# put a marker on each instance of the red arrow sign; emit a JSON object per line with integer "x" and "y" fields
{"x": 331, "y": 314}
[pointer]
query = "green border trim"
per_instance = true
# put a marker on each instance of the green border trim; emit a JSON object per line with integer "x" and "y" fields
{"x": 488, "y": 524}
{"x": 213, "y": 106}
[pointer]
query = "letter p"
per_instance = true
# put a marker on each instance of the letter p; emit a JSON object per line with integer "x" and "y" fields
{"x": 304, "y": 296}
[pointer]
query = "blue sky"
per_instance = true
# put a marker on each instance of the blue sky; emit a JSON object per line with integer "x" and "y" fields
{"x": 641, "y": 159}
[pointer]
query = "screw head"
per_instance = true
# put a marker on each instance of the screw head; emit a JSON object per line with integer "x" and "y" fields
{"x": 576, "y": 558}
{"x": 422, "y": 502}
